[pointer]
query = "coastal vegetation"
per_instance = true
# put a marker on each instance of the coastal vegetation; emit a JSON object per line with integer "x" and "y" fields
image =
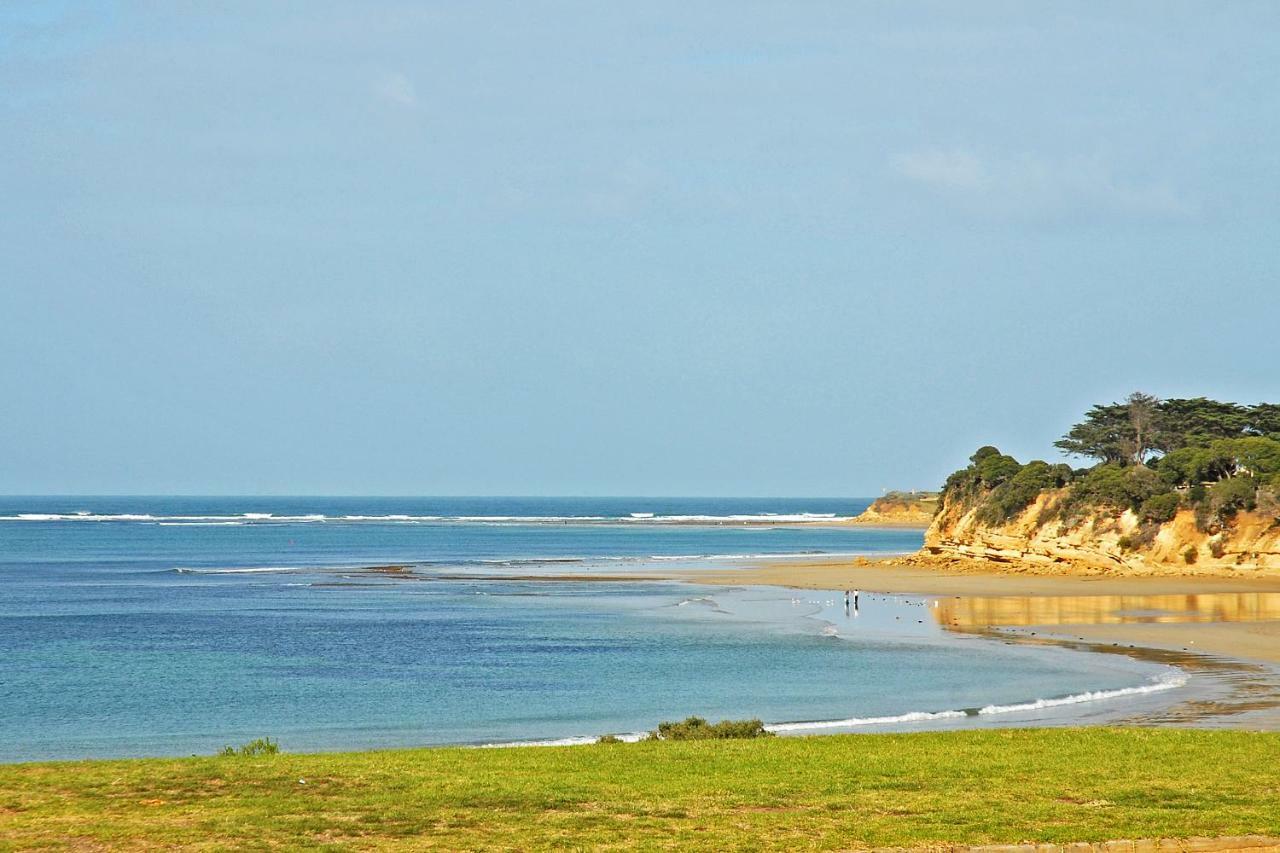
{"x": 1152, "y": 458}
{"x": 900, "y": 509}
{"x": 840, "y": 791}
{"x": 696, "y": 728}
{"x": 260, "y": 746}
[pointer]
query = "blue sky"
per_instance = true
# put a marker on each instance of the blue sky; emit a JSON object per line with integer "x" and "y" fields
{"x": 653, "y": 248}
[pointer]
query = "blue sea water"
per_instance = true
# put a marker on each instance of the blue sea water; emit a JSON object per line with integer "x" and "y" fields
{"x": 166, "y": 626}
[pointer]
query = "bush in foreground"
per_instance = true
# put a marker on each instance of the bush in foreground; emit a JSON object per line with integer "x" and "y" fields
{"x": 696, "y": 728}
{"x": 261, "y": 746}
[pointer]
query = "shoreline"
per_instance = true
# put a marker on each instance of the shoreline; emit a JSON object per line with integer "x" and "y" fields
{"x": 1230, "y": 618}
{"x": 1223, "y": 628}
{"x": 1255, "y": 637}
{"x": 1184, "y": 621}
{"x": 1235, "y": 665}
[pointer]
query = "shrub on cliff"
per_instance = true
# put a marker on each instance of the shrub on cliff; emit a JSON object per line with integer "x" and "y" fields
{"x": 1189, "y": 466}
{"x": 997, "y": 469}
{"x": 1008, "y": 499}
{"x": 987, "y": 468}
{"x": 1155, "y": 456}
{"x": 1231, "y": 496}
{"x": 1254, "y": 454}
{"x": 1117, "y": 487}
{"x": 1219, "y": 460}
{"x": 1160, "y": 508}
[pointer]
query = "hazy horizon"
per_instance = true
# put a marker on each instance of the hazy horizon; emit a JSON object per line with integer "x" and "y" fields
{"x": 334, "y": 249}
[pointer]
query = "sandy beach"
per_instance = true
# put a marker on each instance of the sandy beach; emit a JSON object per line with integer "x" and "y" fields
{"x": 1234, "y": 617}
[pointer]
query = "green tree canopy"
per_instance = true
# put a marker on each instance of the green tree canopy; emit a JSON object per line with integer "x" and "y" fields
{"x": 1103, "y": 435}
{"x": 1198, "y": 421}
{"x": 1155, "y": 457}
{"x": 1264, "y": 419}
{"x": 1131, "y": 432}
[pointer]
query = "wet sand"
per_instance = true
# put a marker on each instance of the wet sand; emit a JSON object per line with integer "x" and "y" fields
{"x": 1234, "y": 617}
{"x": 903, "y": 575}
{"x": 1225, "y": 630}
{"x": 1259, "y": 641}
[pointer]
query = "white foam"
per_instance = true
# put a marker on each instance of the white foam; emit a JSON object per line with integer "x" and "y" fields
{"x": 78, "y": 516}
{"x": 527, "y": 519}
{"x": 256, "y": 570}
{"x": 201, "y": 523}
{"x": 629, "y": 737}
{"x": 765, "y": 518}
{"x": 853, "y": 722}
{"x": 272, "y": 518}
{"x": 1167, "y": 682}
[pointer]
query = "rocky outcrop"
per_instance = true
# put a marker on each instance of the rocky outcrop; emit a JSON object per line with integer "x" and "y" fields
{"x": 1108, "y": 541}
{"x": 900, "y": 509}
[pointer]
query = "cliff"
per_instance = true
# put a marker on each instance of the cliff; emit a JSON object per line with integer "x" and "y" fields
{"x": 1107, "y": 540}
{"x": 900, "y": 509}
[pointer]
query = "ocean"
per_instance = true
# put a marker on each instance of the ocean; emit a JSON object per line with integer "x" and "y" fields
{"x": 176, "y": 625}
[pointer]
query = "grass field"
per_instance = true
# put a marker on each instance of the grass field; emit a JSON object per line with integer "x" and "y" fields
{"x": 821, "y": 792}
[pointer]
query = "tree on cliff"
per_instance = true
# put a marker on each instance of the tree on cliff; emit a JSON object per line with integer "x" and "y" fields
{"x": 1154, "y": 458}
{"x": 1123, "y": 433}
{"x": 1264, "y": 419}
{"x": 1198, "y": 421}
{"x": 1129, "y": 433}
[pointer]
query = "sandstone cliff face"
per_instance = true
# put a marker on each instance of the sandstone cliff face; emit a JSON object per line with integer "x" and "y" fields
{"x": 1109, "y": 541}
{"x": 900, "y": 510}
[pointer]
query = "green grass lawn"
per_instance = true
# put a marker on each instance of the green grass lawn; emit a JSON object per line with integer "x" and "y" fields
{"x": 820, "y": 792}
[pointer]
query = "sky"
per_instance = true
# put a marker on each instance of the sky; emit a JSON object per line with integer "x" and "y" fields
{"x": 714, "y": 248}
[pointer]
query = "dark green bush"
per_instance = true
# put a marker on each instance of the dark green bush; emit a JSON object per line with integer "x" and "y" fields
{"x": 609, "y": 739}
{"x": 1220, "y": 459}
{"x": 1189, "y": 466}
{"x": 1116, "y": 486}
{"x": 1228, "y": 497}
{"x": 994, "y": 470}
{"x": 1155, "y": 457}
{"x": 989, "y": 468}
{"x": 1160, "y": 508}
{"x": 983, "y": 453}
{"x": 261, "y": 746}
{"x": 1011, "y": 498}
{"x": 1190, "y": 556}
{"x": 1255, "y": 454}
{"x": 696, "y": 728}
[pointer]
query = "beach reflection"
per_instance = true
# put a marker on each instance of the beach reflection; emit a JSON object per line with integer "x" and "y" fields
{"x": 968, "y": 613}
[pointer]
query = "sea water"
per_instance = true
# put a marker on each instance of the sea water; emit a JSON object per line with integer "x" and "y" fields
{"x": 169, "y": 626}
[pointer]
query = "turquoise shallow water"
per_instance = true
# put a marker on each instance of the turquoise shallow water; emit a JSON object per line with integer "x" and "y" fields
{"x": 159, "y": 626}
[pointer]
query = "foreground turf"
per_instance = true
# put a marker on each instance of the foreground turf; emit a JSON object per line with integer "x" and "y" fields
{"x": 823, "y": 792}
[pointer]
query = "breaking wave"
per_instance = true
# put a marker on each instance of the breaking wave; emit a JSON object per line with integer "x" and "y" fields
{"x": 636, "y": 518}
{"x": 1168, "y": 681}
